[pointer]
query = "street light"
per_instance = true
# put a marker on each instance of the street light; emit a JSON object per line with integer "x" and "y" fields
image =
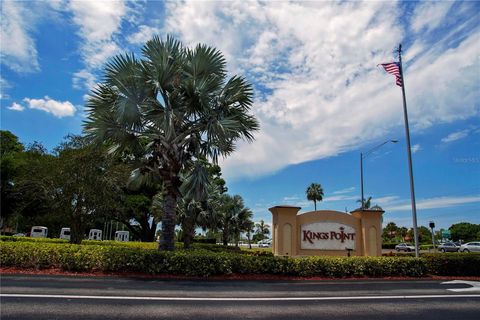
{"x": 363, "y": 156}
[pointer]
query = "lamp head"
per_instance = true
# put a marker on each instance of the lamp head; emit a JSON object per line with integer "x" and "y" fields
{"x": 394, "y": 141}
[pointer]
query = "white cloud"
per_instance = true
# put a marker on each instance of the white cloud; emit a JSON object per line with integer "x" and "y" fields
{"x": 16, "y": 107}
{"x": 340, "y": 198}
{"x": 96, "y": 55}
{"x": 59, "y": 109}
{"x": 455, "y": 136}
{"x": 291, "y": 198}
{"x": 4, "y": 84}
{"x": 318, "y": 92}
{"x": 144, "y": 34}
{"x": 99, "y": 23}
{"x": 18, "y": 50}
{"x": 429, "y": 14}
{"x": 346, "y": 190}
{"x": 84, "y": 79}
{"x": 386, "y": 200}
{"x": 435, "y": 203}
{"x": 416, "y": 148}
{"x": 97, "y": 20}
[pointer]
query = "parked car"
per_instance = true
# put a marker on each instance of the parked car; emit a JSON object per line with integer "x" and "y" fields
{"x": 19, "y": 235}
{"x": 470, "y": 247}
{"x": 267, "y": 243}
{"x": 448, "y": 247}
{"x": 39, "y": 232}
{"x": 404, "y": 247}
{"x": 65, "y": 234}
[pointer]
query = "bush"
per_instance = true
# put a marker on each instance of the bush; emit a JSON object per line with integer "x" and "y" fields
{"x": 29, "y": 239}
{"x": 453, "y": 264}
{"x": 204, "y": 240}
{"x": 218, "y": 260}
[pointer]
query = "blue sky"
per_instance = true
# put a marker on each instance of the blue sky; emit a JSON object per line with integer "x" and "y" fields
{"x": 319, "y": 95}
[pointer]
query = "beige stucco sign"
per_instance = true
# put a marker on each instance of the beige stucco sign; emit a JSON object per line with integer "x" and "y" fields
{"x": 326, "y": 232}
{"x": 327, "y": 236}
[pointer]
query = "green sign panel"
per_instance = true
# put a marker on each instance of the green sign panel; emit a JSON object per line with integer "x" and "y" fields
{"x": 446, "y": 234}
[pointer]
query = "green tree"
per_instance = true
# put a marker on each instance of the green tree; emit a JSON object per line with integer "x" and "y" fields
{"x": 464, "y": 231}
{"x": 9, "y": 143}
{"x": 390, "y": 231}
{"x": 171, "y": 107}
{"x": 424, "y": 235}
{"x": 10, "y": 148}
{"x": 83, "y": 187}
{"x": 261, "y": 231}
{"x": 402, "y": 231}
{"x": 137, "y": 214}
{"x": 314, "y": 193}
{"x": 250, "y": 228}
{"x": 28, "y": 199}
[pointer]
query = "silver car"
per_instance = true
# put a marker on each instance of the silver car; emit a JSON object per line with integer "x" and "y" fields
{"x": 470, "y": 247}
{"x": 404, "y": 247}
{"x": 448, "y": 247}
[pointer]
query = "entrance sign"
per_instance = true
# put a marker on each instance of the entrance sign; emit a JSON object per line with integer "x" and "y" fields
{"x": 326, "y": 232}
{"x": 327, "y": 236}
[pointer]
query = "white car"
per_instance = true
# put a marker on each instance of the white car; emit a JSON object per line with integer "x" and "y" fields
{"x": 267, "y": 243}
{"x": 470, "y": 247}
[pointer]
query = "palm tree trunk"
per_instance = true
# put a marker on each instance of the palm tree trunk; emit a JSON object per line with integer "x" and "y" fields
{"x": 225, "y": 237}
{"x": 315, "y": 204}
{"x": 167, "y": 240}
{"x": 188, "y": 232}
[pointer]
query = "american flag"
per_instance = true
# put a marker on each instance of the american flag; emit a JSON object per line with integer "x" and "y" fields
{"x": 393, "y": 68}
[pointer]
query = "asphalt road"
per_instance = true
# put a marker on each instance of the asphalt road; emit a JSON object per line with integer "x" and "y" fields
{"x": 56, "y": 297}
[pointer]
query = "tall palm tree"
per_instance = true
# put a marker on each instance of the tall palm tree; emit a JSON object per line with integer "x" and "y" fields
{"x": 314, "y": 193}
{"x": 170, "y": 108}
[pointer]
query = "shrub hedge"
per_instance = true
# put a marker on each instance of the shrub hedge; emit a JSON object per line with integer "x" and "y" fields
{"x": 205, "y": 262}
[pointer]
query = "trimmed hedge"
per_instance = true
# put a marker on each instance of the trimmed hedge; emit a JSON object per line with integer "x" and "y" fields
{"x": 453, "y": 264}
{"x": 29, "y": 239}
{"x": 203, "y": 262}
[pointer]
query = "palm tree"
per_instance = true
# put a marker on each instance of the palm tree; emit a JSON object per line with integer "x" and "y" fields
{"x": 241, "y": 218}
{"x": 231, "y": 217}
{"x": 250, "y": 228}
{"x": 314, "y": 193}
{"x": 170, "y": 108}
{"x": 262, "y": 229}
{"x": 367, "y": 203}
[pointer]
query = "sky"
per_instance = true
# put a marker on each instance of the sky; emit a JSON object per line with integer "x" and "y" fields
{"x": 320, "y": 97}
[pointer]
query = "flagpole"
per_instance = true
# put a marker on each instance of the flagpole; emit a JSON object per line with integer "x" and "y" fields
{"x": 409, "y": 153}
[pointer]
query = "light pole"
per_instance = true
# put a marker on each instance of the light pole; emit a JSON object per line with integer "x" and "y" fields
{"x": 363, "y": 155}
